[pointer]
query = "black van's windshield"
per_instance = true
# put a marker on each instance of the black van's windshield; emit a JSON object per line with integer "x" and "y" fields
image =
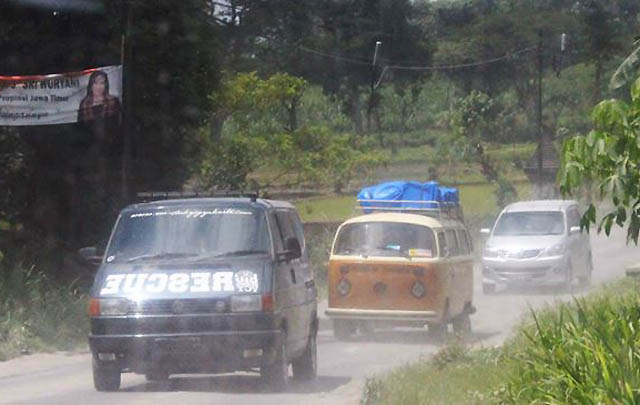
{"x": 384, "y": 239}
{"x": 202, "y": 232}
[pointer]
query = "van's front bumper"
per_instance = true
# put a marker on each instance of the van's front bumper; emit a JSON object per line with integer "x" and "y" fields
{"x": 525, "y": 272}
{"x": 382, "y": 315}
{"x": 182, "y": 344}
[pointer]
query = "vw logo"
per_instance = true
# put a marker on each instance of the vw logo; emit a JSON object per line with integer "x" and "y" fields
{"x": 178, "y": 307}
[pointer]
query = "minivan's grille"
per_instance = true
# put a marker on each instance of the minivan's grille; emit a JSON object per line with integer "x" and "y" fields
{"x": 179, "y": 306}
{"x": 524, "y": 254}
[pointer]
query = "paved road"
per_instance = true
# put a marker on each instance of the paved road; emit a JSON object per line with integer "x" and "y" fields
{"x": 343, "y": 366}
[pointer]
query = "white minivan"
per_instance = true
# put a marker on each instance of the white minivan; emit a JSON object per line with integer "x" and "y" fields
{"x": 536, "y": 243}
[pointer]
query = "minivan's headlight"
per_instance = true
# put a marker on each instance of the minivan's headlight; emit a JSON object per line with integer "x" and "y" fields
{"x": 490, "y": 251}
{"x": 555, "y": 250}
{"x": 246, "y": 303}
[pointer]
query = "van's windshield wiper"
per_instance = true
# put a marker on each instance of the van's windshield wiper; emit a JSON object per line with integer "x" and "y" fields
{"x": 162, "y": 255}
{"x": 233, "y": 253}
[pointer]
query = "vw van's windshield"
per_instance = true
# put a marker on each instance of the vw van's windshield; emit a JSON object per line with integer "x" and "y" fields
{"x": 202, "y": 232}
{"x": 384, "y": 239}
{"x": 530, "y": 223}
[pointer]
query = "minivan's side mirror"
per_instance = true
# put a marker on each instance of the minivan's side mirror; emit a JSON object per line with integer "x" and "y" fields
{"x": 485, "y": 231}
{"x": 91, "y": 255}
{"x": 574, "y": 230}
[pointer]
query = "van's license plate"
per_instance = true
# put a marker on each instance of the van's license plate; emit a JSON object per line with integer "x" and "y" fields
{"x": 186, "y": 344}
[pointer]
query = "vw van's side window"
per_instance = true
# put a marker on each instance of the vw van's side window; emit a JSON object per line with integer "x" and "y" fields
{"x": 465, "y": 248}
{"x": 452, "y": 242}
{"x": 442, "y": 243}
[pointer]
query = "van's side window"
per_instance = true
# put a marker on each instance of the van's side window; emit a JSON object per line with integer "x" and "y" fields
{"x": 573, "y": 217}
{"x": 287, "y": 228}
{"x": 442, "y": 243}
{"x": 465, "y": 248}
{"x": 299, "y": 232}
{"x": 276, "y": 231}
{"x": 452, "y": 242}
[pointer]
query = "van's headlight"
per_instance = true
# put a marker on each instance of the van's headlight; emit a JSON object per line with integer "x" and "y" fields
{"x": 555, "y": 250}
{"x": 246, "y": 303}
{"x": 108, "y": 306}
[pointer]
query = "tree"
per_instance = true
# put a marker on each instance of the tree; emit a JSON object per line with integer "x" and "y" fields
{"x": 609, "y": 156}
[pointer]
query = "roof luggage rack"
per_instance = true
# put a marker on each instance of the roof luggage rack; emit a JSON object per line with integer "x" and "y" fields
{"x": 435, "y": 209}
{"x": 147, "y": 196}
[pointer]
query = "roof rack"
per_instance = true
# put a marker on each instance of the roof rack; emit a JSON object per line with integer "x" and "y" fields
{"x": 436, "y": 209}
{"x": 146, "y": 196}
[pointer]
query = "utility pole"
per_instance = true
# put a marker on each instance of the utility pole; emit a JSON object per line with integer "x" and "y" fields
{"x": 539, "y": 113}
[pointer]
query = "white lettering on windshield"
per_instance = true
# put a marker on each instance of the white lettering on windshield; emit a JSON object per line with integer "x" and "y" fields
{"x": 191, "y": 213}
{"x": 177, "y": 283}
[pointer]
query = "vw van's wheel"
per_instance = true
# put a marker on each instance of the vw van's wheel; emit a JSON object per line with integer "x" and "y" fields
{"x": 438, "y": 331}
{"x": 366, "y": 328}
{"x": 343, "y": 329}
{"x": 106, "y": 377}
{"x": 488, "y": 289}
{"x": 157, "y": 375}
{"x": 462, "y": 326}
{"x": 585, "y": 280}
{"x": 276, "y": 375}
{"x": 306, "y": 366}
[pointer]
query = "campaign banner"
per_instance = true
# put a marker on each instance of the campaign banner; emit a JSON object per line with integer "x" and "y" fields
{"x": 61, "y": 98}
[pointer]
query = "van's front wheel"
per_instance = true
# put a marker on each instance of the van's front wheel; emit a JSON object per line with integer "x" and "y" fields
{"x": 276, "y": 374}
{"x": 343, "y": 329}
{"x": 306, "y": 367}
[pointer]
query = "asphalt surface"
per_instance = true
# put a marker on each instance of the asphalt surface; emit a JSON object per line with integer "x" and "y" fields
{"x": 65, "y": 378}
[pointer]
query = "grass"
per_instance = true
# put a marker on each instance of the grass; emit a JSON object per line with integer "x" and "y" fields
{"x": 586, "y": 351}
{"x": 37, "y": 315}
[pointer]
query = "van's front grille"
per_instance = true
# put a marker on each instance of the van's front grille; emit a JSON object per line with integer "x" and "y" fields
{"x": 179, "y": 306}
{"x": 524, "y": 254}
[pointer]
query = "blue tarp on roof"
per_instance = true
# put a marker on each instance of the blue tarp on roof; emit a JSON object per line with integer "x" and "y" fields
{"x": 399, "y": 194}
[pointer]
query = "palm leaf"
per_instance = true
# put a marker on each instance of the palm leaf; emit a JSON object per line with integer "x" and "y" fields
{"x": 626, "y": 71}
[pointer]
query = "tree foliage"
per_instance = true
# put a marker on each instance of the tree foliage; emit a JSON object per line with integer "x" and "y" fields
{"x": 609, "y": 156}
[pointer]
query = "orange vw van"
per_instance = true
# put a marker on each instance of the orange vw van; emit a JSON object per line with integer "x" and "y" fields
{"x": 401, "y": 266}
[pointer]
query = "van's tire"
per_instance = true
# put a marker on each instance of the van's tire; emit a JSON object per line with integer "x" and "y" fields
{"x": 567, "y": 284}
{"x": 585, "y": 280}
{"x": 488, "y": 288}
{"x": 275, "y": 375}
{"x": 462, "y": 326}
{"x": 305, "y": 367}
{"x": 106, "y": 377}
{"x": 438, "y": 331}
{"x": 343, "y": 329}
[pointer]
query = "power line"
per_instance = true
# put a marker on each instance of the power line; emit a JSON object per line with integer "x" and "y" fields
{"x": 433, "y": 67}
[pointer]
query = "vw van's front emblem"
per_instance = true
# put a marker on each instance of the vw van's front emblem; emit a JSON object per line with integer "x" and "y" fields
{"x": 178, "y": 307}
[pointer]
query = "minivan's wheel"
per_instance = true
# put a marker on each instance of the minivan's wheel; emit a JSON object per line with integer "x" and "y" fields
{"x": 276, "y": 374}
{"x": 343, "y": 329}
{"x": 488, "y": 288}
{"x": 106, "y": 377}
{"x": 585, "y": 279}
{"x": 306, "y": 366}
{"x": 462, "y": 326}
{"x": 568, "y": 278}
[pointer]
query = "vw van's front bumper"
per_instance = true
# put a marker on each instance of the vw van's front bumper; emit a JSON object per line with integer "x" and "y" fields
{"x": 525, "y": 272}
{"x": 184, "y": 343}
{"x": 382, "y": 315}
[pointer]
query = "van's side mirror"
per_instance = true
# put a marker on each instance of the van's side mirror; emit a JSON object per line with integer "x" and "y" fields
{"x": 91, "y": 255}
{"x": 574, "y": 230}
{"x": 485, "y": 231}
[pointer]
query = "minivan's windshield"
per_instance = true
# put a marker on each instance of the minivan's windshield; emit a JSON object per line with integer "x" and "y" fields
{"x": 384, "y": 239}
{"x": 530, "y": 223}
{"x": 198, "y": 232}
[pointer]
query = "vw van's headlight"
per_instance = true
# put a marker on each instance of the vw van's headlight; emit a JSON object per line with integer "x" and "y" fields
{"x": 108, "y": 306}
{"x": 555, "y": 250}
{"x": 343, "y": 287}
{"x": 246, "y": 303}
